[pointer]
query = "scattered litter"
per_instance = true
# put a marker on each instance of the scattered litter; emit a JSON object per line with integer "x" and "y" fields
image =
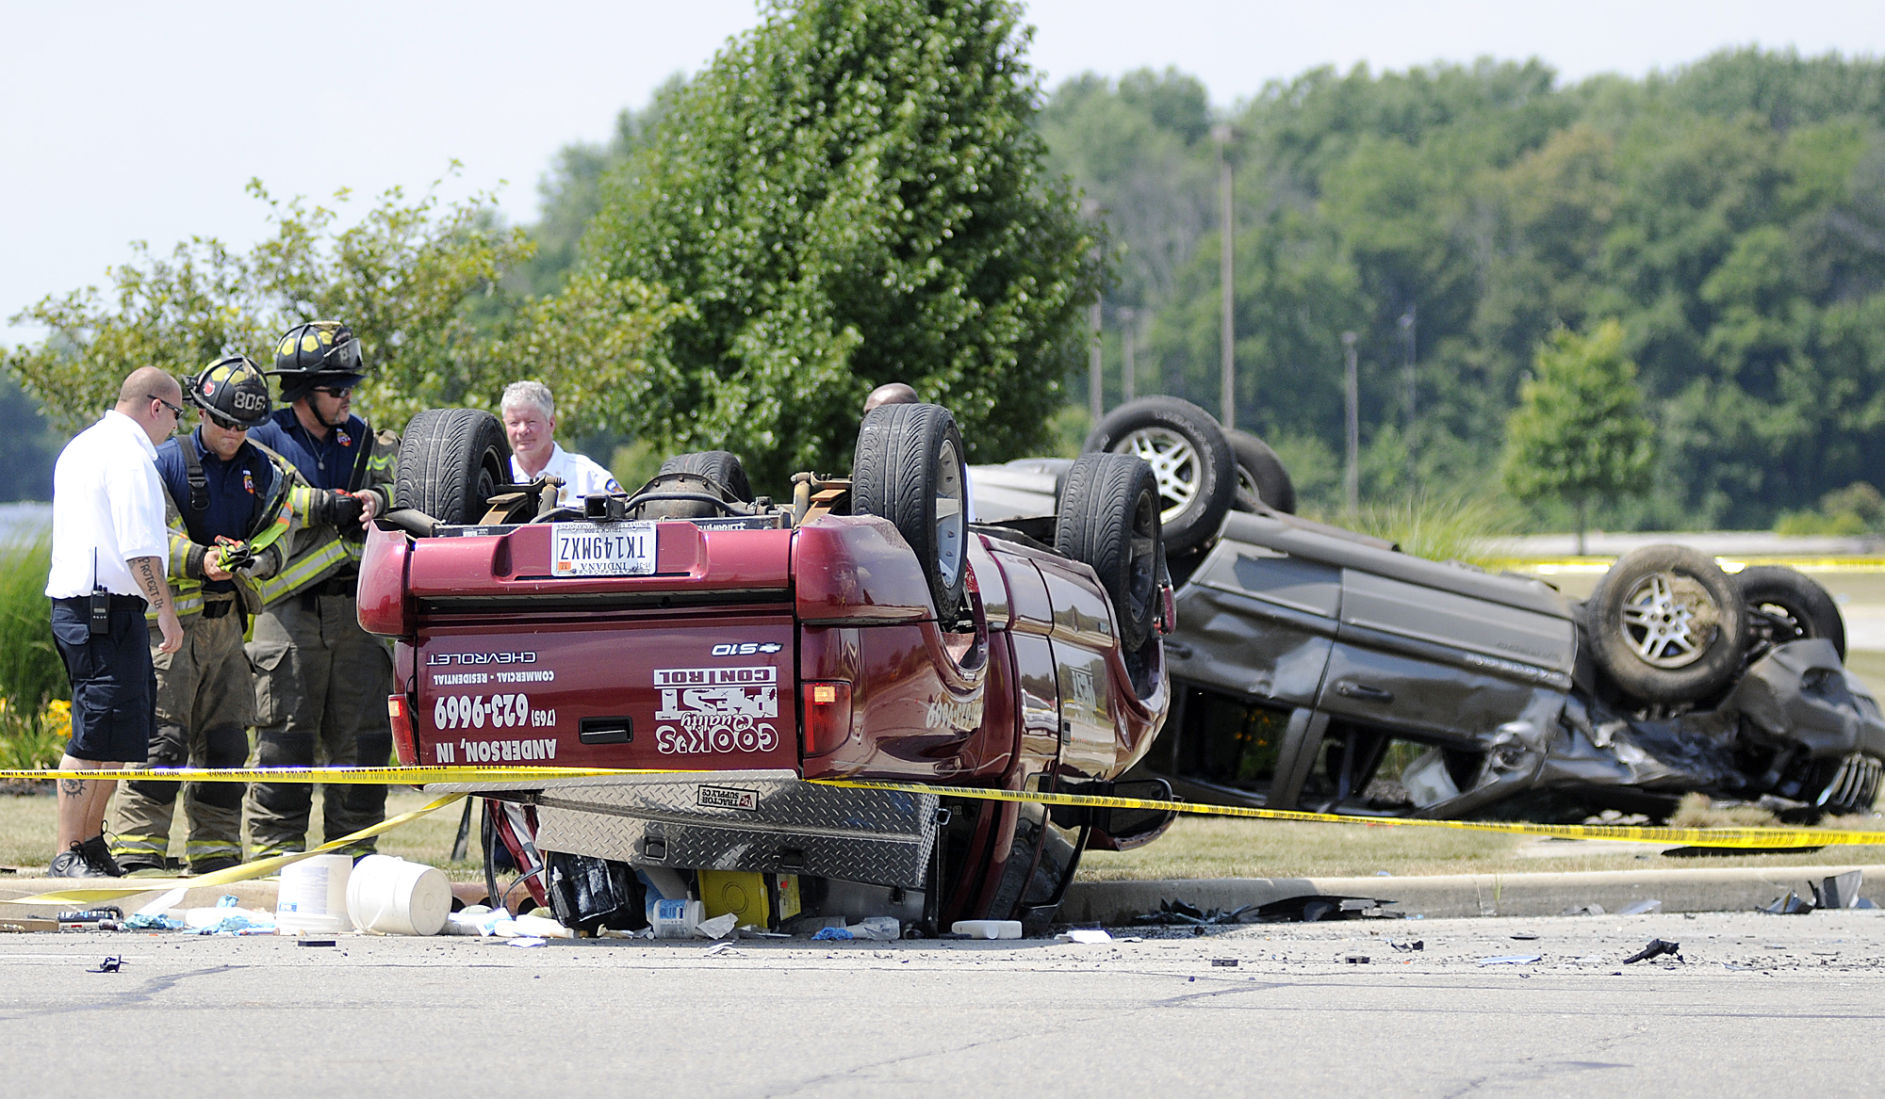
{"x": 1789, "y": 905}
{"x": 717, "y": 948}
{"x": 832, "y": 934}
{"x": 1417, "y": 944}
{"x": 1097, "y": 935}
{"x": 1583, "y": 910}
{"x": 1656, "y": 949}
{"x": 1840, "y": 891}
{"x": 162, "y": 903}
{"x": 1640, "y": 908}
{"x": 153, "y": 921}
{"x": 111, "y": 964}
{"x": 316, "y": 942}
{"x": 1512, "y": 959}
{"x": 528, "y": 940}
{"x": 1357, "y": 959}
{"x": 1230, "y": 963}
{"x": 719, "y": 927}
{"x": 1524, "y": 935}
{"x": 108, "y": 914}
{"x": 883, "y": 929}
{"x": 987, "y": 929}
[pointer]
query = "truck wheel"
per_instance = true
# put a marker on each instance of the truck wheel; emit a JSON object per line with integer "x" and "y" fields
{"x": 710, "y": 471}
{"x": 1788, "y": 605}
{"x": 722, "y": 467}
{"x": 1667, "y": 625}
{"x": 1261, "y": 477}
{"x": 909, "y": 469}
{"x": 1189, "y": 456}
{"x": 451, "y": 461}
{"x": 1109, "y": 519}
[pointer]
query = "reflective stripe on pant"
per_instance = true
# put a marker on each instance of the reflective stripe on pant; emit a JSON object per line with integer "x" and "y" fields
{"x": 205, "y": 704}
{"x": 320, "y": 693}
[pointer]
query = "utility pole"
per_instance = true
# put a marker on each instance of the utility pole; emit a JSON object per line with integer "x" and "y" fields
{"x": 1227, "y": 336}
{"x": 1129, "y": 329}
{"x": 1351, "y": 478}
{"x": 1096, "y": 382}
{"x": 1407, "y": 372}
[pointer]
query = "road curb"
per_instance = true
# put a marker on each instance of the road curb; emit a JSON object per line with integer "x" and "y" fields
{"x": 1455, "y": 895}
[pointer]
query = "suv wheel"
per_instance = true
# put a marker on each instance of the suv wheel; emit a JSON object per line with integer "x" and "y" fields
{"x": 1667, "y": 625}
{"x": 1788, "y": 605}
{"x": 1189, "y": 456}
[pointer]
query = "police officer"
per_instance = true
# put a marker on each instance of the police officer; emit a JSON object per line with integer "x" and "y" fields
{"x": 226, "y": 506}
{"x": 321, "y": 681}
{"x": 107, "y": 566}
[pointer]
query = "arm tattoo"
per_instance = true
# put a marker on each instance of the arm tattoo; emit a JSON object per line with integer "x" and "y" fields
{"x": 156, "y": 592}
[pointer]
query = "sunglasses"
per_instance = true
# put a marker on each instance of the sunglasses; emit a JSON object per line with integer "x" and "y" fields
{"x": 175, "y": 410}
{"x": 334, "y": 390}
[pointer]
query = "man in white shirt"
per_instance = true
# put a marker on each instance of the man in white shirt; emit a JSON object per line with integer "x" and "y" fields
{"x": 529, "y": 414}
{"x": 110, "y": 550}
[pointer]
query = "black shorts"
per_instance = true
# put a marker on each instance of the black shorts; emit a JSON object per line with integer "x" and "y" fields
{"x": 114, "y": 686}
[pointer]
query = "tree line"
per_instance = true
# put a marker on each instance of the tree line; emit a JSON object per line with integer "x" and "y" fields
{"x": 854, "y": 192}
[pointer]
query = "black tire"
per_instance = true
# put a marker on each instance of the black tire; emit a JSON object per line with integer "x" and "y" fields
{"x": 1190, "y": 459}
{"x": 451, "y": 461}
{"x": 1261, "y": 477}
{"x": 909, "y": 469}
{"x": 1667, "y": 625}
{"x": 1109, "y": 519}
{"x": 1787, "y": 605}
{"x": 719, "y": 466}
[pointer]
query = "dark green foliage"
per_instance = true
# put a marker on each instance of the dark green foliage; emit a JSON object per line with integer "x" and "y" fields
{"x": 851, "y": 194}
{"x": 31, "y": 673}
{"x": 1731, "y": 217}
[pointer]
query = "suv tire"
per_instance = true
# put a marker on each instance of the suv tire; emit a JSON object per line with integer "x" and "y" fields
{"x": 1666, "y": 625}
{"x": 1190, "y": 459}
{"x": 1109, "y": 519}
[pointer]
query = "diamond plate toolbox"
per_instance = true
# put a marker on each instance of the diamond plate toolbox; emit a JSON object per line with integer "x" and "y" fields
{"x": 750, "y": 821}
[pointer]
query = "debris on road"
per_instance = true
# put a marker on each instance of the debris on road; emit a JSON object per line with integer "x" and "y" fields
{"x": 1656, "y": 949}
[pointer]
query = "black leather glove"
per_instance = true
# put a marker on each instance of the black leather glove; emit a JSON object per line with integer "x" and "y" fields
{"x": 341, "y": 509}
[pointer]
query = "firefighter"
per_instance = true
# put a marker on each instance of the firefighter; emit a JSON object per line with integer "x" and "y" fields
{"x": 226, "y": 505}
{"x": 321, "y": 681}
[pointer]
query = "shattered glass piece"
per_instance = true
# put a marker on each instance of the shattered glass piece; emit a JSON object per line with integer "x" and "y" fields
{"x": 1512, "y": 959}
{"x": 1789, "y": 905}
{"x": 1640, "y": 908}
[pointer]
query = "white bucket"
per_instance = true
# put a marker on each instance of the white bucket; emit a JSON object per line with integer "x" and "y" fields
{"x": 389, "y": 896}
{"x": 676, "y": 919}
{"x": 312, "y": 899}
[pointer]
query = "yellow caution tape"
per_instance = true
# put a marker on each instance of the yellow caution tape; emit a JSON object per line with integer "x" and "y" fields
{"x": 260, "y": 868}
{"x": 512, "y": 778}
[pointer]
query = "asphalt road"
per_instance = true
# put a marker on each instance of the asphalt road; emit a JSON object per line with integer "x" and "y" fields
{"x": 1754, "y": 1004}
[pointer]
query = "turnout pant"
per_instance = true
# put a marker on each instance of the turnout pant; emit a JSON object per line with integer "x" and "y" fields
{"x": 320, "y": 693}
{"x": 205, "y": 704}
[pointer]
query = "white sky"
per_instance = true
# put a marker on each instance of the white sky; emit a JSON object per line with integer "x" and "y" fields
{"x": 126, "y": 121}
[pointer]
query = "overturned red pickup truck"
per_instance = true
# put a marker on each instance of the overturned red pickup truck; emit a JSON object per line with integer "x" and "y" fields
{"x": 863, "y": 629}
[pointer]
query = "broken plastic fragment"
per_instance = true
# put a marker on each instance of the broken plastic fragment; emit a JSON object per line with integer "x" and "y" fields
{"x": 1511, "y": 959}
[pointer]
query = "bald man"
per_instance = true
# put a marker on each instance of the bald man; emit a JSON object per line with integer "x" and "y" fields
{"x": 110, "y": 549}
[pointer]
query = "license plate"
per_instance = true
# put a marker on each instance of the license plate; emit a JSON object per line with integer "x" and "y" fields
{"x": 594, "y": 549}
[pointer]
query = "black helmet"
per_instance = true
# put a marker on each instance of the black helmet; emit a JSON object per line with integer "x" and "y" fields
{"x": 230, "y": 391}
{"x": 317, "y": 353}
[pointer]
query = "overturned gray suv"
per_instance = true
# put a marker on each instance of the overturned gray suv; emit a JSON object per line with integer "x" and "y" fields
{"x": 1316, "y": 668}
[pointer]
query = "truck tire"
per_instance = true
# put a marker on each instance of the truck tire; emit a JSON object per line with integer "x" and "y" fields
{"x": 1788, "y": 605}
{"x": 712, "y": 472}
{"x": 451, "y": 461}
{"x": 1667, "y": 625}
{"x": 719, "y": 466}
{"x": 909, "y": 469}
{"x": 1109, "y": 519}
{"x": 1261, "y": 477}
{"x": 1189, "y": 456}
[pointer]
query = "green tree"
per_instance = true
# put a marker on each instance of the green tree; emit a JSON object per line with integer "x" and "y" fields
{"x": 418, "y": 281}
{"x": 849, "y": 194}
{"x": 1579, "y": 432}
